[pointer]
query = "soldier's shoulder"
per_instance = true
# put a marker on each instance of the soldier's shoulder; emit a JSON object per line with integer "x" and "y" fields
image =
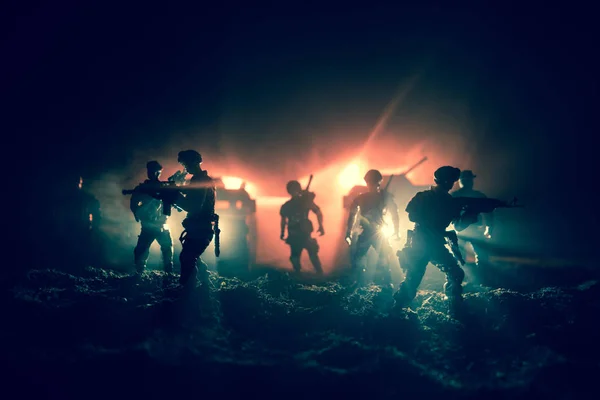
{"x": 423, "y": 193}
{"x": 286, "y": 206}
{"x": 361, "y": 196}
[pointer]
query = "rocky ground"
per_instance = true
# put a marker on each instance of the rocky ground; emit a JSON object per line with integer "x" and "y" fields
{"x": 104, "y": 334}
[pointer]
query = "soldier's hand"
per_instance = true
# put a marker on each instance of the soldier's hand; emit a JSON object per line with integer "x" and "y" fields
{"x": 321, "y": 231}
{"x": 348, "y": 239}
{"x": 488, "y": 232}
{"x": 282, "y": 236}
{"x": 396, "y": 236}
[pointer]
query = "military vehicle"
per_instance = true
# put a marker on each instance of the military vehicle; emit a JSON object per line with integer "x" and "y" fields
{"x": 237, "y": 221}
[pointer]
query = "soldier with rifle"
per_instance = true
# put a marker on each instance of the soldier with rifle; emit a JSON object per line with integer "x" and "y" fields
{"x": 198, "y": 198}
{"x": 433, "y": 211}
{"x": 149, "y": 212}
{"x": 372, "y": 206}
{"x": 294, "y": 216}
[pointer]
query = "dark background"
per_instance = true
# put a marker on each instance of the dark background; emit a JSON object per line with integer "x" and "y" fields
{"x": 87, "y": 86}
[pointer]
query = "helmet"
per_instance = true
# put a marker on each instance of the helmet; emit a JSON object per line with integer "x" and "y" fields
{"x": 189, "y": 157}
{"x": 293, "y": 187}
{"x": 467, "y": 174}
{"x": 373, "y": 176}
{"x": 446, "y": 174}
{"x": 153, "y": 166}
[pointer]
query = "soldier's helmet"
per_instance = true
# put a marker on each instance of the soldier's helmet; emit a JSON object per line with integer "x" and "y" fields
{"x": 190, "y": 157}
{"x": 467, "y": 174}
{"x": 446, "y": 174}
{"x": 293, "y": 187}
{"x": 373, "y": 176}
{"x": 153, "y": 166}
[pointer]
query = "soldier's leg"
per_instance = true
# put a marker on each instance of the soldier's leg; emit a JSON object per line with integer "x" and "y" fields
{"x": 384, "y": 251}
{"x": 312, "y": 247}
{"x": 483, "y": 273}
{"x": 166, "y": 247}
{"x": 359, "y": 258}
{"x": 454, "y": 278}
{"x": 192, "y": 247}
{"x": 142, "y": 249}
{"x": 295, "y": 254}
{"x": 415, "y": 270}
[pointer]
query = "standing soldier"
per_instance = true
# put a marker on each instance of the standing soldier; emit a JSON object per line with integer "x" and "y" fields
{"x": 199, "y": 201}
{"x": 432, "y": 211}
{"x": 372, "y": 205}
{"x": 149, "y": 212}
{"x": 482, "y": 229}
{"x": 294, "y": 215}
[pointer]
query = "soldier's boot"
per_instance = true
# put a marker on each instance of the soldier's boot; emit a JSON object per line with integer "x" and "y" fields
{"x": 385, "y": 277}
{"x": 453, "y": 290}
{"x": 189, "y": 270}
{"x": 167, "y": 256}
{"x": 400, "y": 308}
{"x": 203, "y": 276}
{"x": 316, "y": 262}
{"x": 140, "y": 267}
{"x": 140, "y": 257}
{"x": 296, "y": 264}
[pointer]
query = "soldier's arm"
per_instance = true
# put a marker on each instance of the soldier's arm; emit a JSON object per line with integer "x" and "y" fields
{"x": 134, "y": 201}
{"x": 414, "y": 208}
{"x": 317, "y": 210}
{"x": 393, "y": 209}
{"x": 352, "y": 216}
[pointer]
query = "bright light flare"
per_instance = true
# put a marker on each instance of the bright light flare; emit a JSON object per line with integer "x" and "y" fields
{"x": 387, "y": 230}
{"x": 235, "y": 183}
{"x": 350, "y": 177}
{"x": 232, "y": 182}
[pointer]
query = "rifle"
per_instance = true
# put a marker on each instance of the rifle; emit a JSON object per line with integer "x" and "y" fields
{"x": 309, "y": 195}
{"x": 421, "y": 161}
{"x": 178, "y": 177}
{"x": 166, "y": 192}
{"x": 471, "y": 207}
{"x": 474, "y": 205}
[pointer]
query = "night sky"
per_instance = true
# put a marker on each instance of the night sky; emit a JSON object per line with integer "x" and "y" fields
{"x": 91, "y": 87}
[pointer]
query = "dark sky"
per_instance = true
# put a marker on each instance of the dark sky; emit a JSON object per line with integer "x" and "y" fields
{"x": 87, "y": 85}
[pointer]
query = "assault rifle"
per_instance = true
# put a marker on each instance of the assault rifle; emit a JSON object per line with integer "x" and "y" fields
{"x": 166, "y": 192}
{"x": 471, "y": 207}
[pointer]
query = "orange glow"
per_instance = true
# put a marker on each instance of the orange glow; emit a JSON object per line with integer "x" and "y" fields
{"x": 222, "y": 205}
{"x": 235, "y": 183}
{"x": 350, "y": 177}
{"x": 271, "y": 201}
{"x": 232, "y": 183}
